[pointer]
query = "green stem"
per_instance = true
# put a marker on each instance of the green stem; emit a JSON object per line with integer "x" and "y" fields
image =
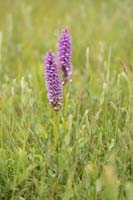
{"x": 56, "y": 123}
{"x": 64, "y": 107}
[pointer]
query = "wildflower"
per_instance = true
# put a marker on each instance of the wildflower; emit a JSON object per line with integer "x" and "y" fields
{"x": 53, "y": 82}
{"x": 65, "y": 54}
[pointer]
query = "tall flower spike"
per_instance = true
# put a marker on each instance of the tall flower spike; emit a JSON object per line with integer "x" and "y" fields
{"x": 65, "y": 54}
{"x": 53, "y": 82}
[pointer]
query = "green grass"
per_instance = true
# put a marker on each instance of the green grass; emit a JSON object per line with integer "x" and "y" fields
{"x": 91, "y": 158}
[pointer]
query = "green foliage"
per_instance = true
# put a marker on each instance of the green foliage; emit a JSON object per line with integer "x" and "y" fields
{"x": 88, "y": 153}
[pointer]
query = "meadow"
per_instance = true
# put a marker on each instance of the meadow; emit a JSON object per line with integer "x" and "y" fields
{"x": 91, "y": 157}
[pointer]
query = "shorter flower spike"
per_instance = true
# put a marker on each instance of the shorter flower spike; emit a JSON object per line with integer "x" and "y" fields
{"x": 53, "y": 82}
{"x": 65, "y": 54}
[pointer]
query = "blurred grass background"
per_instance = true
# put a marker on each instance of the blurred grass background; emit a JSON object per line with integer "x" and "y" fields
{"x": 94, "y": 159}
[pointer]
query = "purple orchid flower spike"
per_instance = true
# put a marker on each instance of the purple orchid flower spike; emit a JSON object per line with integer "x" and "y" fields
{"x": 53, "y": 82}
{"x": 65, "y": 54}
